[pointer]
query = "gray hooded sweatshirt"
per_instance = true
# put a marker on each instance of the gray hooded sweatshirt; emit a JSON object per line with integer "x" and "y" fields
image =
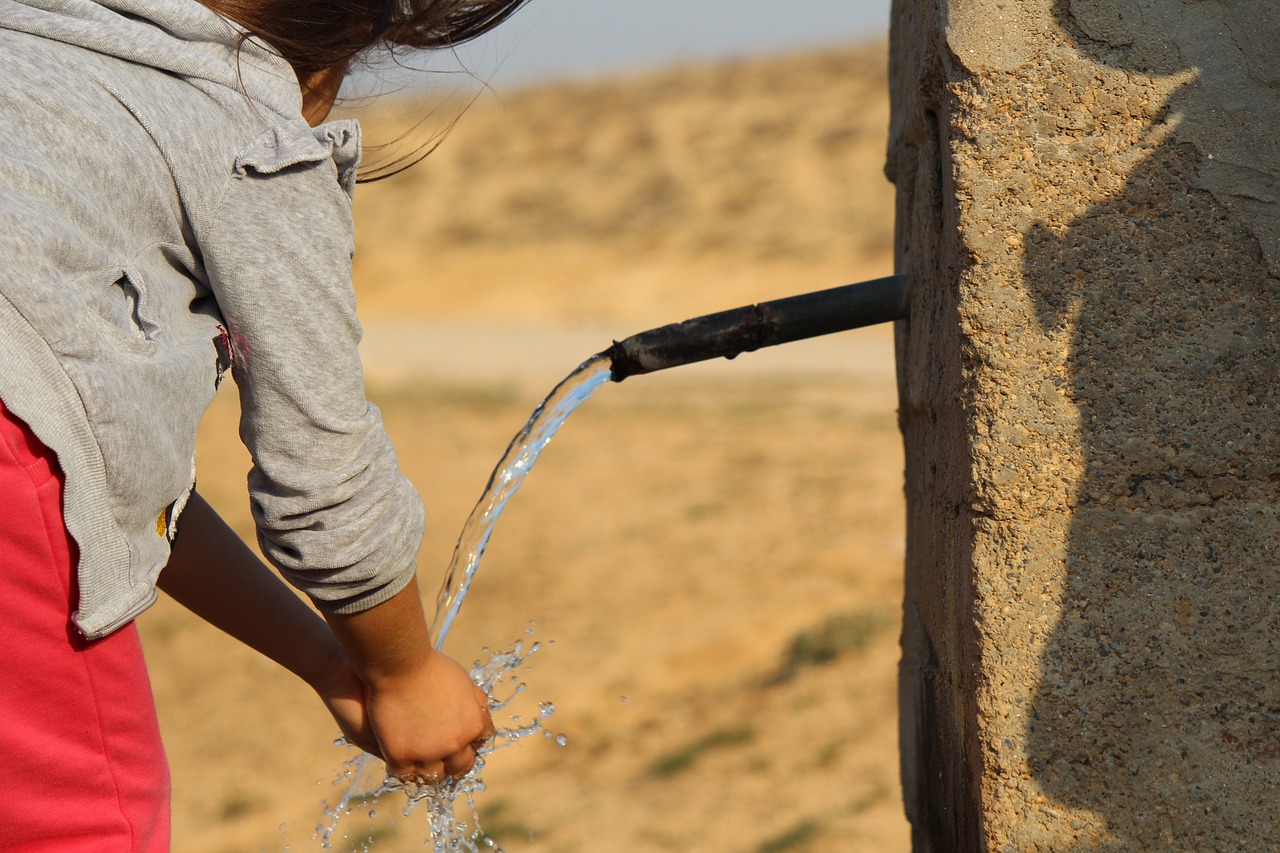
{"x": 166, "y": 214}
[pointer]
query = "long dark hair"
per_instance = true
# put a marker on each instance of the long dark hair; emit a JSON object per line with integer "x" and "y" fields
{"x": 315, "y": 36}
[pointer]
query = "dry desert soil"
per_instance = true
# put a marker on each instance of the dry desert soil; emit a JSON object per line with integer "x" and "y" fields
{"x": 711, "y": 556}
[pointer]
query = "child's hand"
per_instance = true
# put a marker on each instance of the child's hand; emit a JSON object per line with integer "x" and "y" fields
{"x": 391, "y": 693}
{"x": 421, "y": 712}
{"x": 432, "y": 721}
{"x": 429, "y": 721}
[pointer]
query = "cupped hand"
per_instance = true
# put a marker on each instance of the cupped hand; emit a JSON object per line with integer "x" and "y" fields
{"x": 423, "y": 710}
{"x": 428, "y": 721}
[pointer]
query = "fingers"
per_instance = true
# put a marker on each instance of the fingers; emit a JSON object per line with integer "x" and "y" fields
{"x": 482, "y": 699}
{"x": 420, "y": 778}
{"x": 461, "y": 762}
{"x": 455, "y": 766}
{"x": 430, "y": 722}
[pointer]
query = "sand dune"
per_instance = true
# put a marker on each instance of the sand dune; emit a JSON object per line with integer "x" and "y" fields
{"x": 686, "y": 191}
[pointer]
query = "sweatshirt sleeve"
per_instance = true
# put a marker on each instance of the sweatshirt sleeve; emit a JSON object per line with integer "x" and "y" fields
{"x": 333, "y": 512}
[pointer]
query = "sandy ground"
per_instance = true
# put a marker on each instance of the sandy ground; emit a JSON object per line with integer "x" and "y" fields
{"x": 711, "y": 556}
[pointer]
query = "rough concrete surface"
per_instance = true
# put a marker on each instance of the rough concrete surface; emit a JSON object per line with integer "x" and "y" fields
{"x": 1087, "y": 201}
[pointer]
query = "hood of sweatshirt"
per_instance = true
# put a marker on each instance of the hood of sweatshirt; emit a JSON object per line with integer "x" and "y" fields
{"x": 162, "y": 34}
{"x": 164, "y": 205}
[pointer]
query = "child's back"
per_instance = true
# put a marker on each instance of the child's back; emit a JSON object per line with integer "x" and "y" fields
{"x": 134, "y": 192}
{"x": 168, "y": 213}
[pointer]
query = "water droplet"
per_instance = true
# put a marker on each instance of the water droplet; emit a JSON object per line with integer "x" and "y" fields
{"x": 561, "y": 740}
{"x": 446, "y": 829}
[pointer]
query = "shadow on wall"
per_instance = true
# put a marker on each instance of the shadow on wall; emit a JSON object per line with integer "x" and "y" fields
{"x": 1158, "y": 707}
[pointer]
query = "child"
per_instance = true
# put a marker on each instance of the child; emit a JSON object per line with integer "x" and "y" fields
{"x": 172, "y": 207}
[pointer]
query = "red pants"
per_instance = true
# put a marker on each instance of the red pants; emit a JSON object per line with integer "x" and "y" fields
{"x": 80, "y": 747}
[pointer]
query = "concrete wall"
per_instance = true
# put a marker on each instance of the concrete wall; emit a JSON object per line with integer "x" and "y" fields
{"x": 1089, "y": 205}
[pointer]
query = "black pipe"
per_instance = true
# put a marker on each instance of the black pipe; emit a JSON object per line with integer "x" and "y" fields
{"x": 767, "y": 324}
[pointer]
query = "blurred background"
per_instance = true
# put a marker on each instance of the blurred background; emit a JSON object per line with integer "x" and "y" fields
{"x": 711, "y": 556}
{"x": 561, "y": 39}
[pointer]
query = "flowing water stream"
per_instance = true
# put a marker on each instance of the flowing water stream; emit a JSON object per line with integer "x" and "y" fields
{"x": 521, "y": 453}
{"x": 364, "y": 779}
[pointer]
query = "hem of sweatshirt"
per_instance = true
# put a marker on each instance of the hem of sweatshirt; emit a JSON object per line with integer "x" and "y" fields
{"x": 37, "y": 390}
{"x": 367, "y": 600}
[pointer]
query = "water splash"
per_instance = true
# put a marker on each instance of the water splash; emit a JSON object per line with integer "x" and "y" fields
{"x": 365, "y": 779}
{"x": 516, "y": 462}
{"x": 365, "y": 776}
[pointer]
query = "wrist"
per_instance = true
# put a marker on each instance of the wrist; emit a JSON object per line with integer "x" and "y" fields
{"x": 387, "y": 642}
